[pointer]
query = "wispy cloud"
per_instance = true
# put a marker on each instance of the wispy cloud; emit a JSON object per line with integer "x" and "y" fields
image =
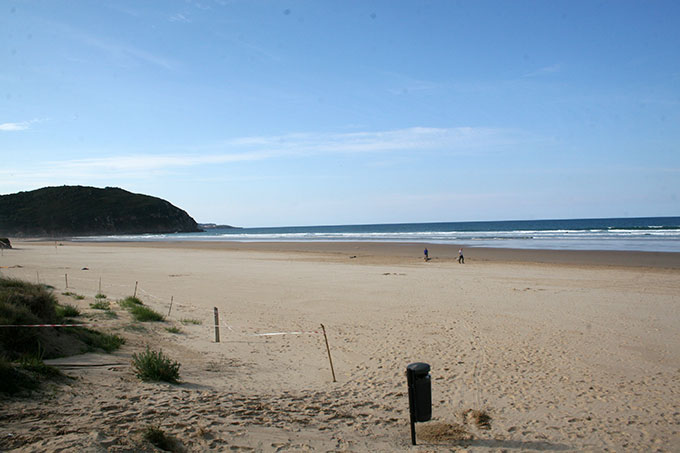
{"x": 116, "y": 49}
{"x": 179, "y": 17}
{"x": 19, "y": 126}
{"x": 261, "y": 148}
{"x": 546, "y": 70}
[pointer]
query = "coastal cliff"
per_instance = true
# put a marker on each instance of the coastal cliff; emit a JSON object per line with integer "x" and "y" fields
{"x": 89, "y": 211}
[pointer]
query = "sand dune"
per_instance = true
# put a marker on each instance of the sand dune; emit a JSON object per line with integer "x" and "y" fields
{"x": 565, "y": 352}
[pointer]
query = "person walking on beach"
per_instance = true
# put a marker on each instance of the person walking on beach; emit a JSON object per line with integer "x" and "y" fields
{"x": 461, "y": 260}
{"x": 427, "y": 256}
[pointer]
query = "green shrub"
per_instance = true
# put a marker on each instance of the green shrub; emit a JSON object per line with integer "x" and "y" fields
{"x": 67, "y": 311}
{"x": 191, "y": 321}
{"x": 173, "y": 329}
{"x": 100, "y": 296}
{"x": 155, "y": 366}
{"x": 101, "y": 305}
{"x": 74, "y": 295}
{"x": 142, "y": 313}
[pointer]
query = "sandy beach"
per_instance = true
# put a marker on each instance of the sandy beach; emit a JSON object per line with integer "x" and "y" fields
{"x": 565, "y": 351}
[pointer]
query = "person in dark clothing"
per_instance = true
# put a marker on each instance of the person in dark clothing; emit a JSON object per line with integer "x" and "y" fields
{"x": 427, "y": 256}
{"x": 461, "y": 259}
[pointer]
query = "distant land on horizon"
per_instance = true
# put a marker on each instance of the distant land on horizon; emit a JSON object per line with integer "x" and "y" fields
{"x": 89, "y": 211}
{"x": 214, "y": 226}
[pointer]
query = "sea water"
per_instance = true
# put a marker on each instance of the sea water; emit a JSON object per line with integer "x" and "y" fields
{"x": 655, "y": 234}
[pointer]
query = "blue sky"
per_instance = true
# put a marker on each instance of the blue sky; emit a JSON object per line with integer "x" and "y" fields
{"x": 268, "y": 113}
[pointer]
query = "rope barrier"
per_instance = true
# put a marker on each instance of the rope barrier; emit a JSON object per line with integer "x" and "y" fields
{"x": 149, "y": 295}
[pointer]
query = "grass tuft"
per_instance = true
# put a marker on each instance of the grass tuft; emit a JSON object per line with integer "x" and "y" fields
{"x": 101, "y": 305}
{"x": 96, "y": 340}
{"x": 173, "y": 329}
{"x": 143, "y": 314}
{"x": 100, "y": 296}
{"x": 67, "y": 311}
{"x": 155, "y": 366}
{"x": 74, "y": 295}
{"x": 186, "y": 321}
{"x": 130, "y": 302}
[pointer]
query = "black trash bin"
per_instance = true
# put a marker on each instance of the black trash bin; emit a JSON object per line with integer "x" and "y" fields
{"x": 419, "y": 394}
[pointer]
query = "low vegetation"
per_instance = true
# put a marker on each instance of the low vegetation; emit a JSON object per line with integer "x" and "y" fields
{"x": 173, "y": 329}
{"x": 101, "y": 305}
{"x": 186, "y": 321}
{"x": 155, "y": 366}
{"x": 130, "y": 302}
{"x": 67, "y": 311}
{"x": 100, "y": 296}
{"x": 22, "y": 349}
{"x": 74, "y": 295}
{"x": 140, "y": 311}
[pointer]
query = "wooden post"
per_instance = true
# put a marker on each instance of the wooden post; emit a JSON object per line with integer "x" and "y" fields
{"x": 66, "y": 278}
{"x": 170, "y": 309}
{"x": 100, "y": 285}
{"x": 217, "y": 326}
{"x": 329, "y": 351}
{"x": 135, "y": 294}
{"x": 37, "y": 276}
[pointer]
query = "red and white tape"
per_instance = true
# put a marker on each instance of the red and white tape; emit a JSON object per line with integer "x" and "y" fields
{"x": 47, "y": 325}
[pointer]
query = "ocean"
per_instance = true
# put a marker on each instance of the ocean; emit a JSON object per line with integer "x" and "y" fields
{"x": 653, "y": 234}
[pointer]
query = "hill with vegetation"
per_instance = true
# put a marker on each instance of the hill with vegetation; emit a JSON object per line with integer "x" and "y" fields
{"x": 89, "y": 211}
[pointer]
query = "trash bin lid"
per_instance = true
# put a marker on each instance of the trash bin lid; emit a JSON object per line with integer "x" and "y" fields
{"x": 419, "y": 367}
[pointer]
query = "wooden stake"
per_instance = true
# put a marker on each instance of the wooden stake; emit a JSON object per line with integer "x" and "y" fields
{"x": 37, "y": 276}
{"x": 217, "y": 326}
{"x": 66, "y": 278}
{"x": 135, "y": 294}
{"x": 100, "y": 285}
{"x": 171, "y": 298}
{"x": 329, "y": 351}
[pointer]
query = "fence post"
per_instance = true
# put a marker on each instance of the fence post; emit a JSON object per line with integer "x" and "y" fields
{"x": 217, "y": 326}
{"x": 329, "y": 351}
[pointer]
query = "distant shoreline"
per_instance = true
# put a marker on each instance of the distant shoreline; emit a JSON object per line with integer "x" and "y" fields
{"x": 406, "y": 252}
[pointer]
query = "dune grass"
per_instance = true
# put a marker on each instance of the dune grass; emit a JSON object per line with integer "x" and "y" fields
{"x": 101, "y": 305}
{"x": 155, "y": 366}
{"x": 140, "y": 311}
{"x": 67, "y": 311}
{"x": 22, "y": 349}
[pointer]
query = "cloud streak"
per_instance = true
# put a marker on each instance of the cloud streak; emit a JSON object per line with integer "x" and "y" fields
{"x": 289, "y": 146}
{"x": 19, "y": 126}
{"x": 544, "y": 71}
